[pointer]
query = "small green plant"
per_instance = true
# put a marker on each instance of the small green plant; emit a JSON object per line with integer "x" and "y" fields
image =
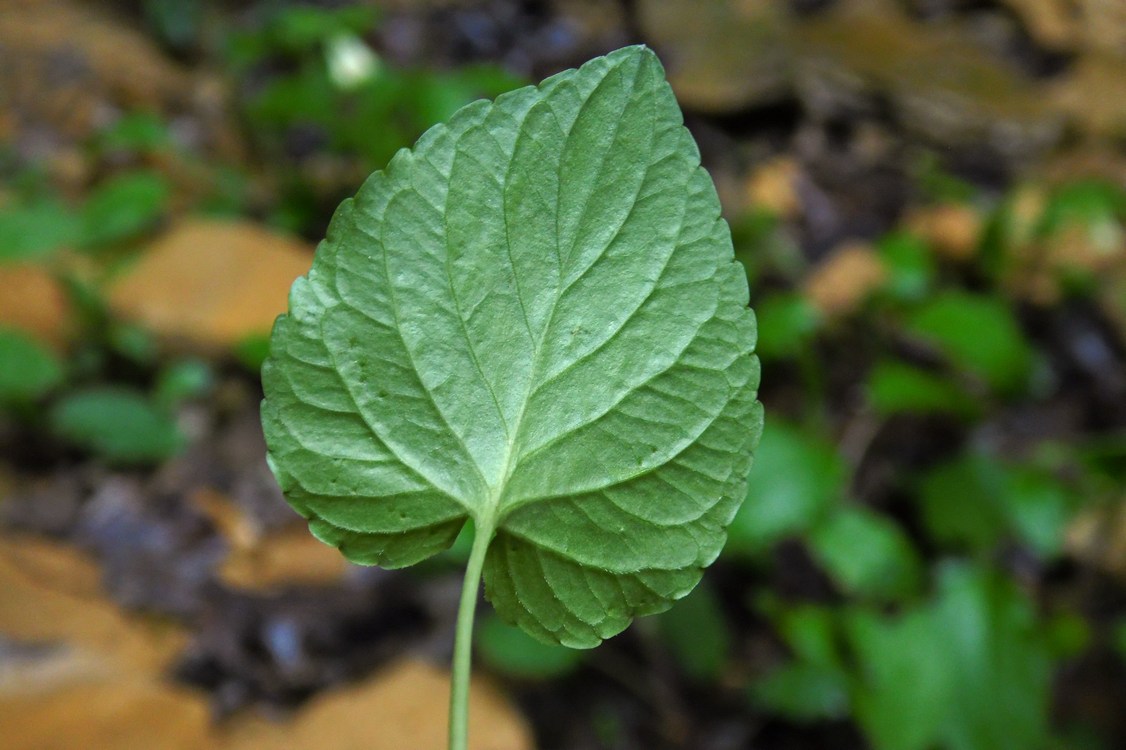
{"x": 310, "y": 77}
{"x": 534, "y": 321}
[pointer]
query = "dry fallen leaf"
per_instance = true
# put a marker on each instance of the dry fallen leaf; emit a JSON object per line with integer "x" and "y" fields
{"x": 403, "y": 706}
{"x": 841, "y": 282}
{"x": 211, "y": 283}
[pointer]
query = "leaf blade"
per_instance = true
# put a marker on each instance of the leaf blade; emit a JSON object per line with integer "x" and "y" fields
{"x": 533, "y": 319}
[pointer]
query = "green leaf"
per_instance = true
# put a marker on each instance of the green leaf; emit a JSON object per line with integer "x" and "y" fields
{"x": 1097, "y": 206}
{"x": 910, "y": 265}
{"x": 251, "y": 351}
{"x": 786, "y": 325}
{"x": 896, "y": 387}
{"x": 810, "y": 632}
{"x": 123, "y": 208}
{"x": 866, "y": 553}
{"x": 35, "y": 230}
{"x": 143, "y": 132}
{"x": 903, "y": 687}
{"x": 815, "y": 685}
{"x": 697, "y": 634}
{"x": 999, "y": 662}
{"x": 510, "y": 650}
{"x": 970, "y": 669}
{"x": 119, "y": 425}
{"x": 804, "y": 692}
{"x": 532, "y": 319}
{"x": 978, "y": 333}
{"x": 1039, "y": 508}
{"x": 183, "y": 380}
{"x": 799, "y": 476}
{"x": 27, "y": 369}
{"x": 1118, "y": 638}
{"x": 975, "y": 500}
{"x": 960, "y": 502}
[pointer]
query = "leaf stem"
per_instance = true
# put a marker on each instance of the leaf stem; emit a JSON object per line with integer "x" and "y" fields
{"x": 463, "y": 639}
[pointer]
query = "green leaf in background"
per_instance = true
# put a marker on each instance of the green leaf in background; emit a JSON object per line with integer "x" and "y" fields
{"x": 902, "y": 690}
{"x": 251, "y": 351}
{"x": 866, "y": 553}
{"x": 999, "y": 663}
{"x": 183, "y": 380}
{"x": 696, "y": 632}
{"x": 296, "y": 28}
{"x": 959, "y": 502}
{"x": 1039, "y": 508}
{"x": 508, "y": 649}
{"x": 977, "y": 333}
{"x": 35, "y": 230}
{"x": 177, "y": 23}
{"x": 1118, "y": 638}
{"x": 815, "y": 685}
{"x": 1098, "y": 207}
{"x": 533, "y": 319}
{"x": 803, "y": 692}
{"x": 122, "y": 208}
{"x": 909, "y": 262}
{"x": 28, "y": 369}
{"x": 120, "y": 425}
{"x": 142, "y": 132}
{"x": 1067, "y": 634}
{"x": 897, "y": 388}
{"x": 976, "y": 501}
{"x": 786, "y": 323}
{"x": 134, "y": 342}
{"x": 968, "y": 670}
{"x": 799, "y": 476}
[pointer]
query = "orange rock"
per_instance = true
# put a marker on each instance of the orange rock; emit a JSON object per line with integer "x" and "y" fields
{"x": 289, "y": 557}
{"x": 842, "y": 281}
{"x": 1091, "y": 94}
{"x": 1052, "y": 23}
{"x": 403, "y": 706}
{"x": 211, "y": 283}
{"x": 105, "y": 715}
{"x": 93, "y": 676}
{"x": 1104, "y": 22}
{"x": 48, "y": 593}
{"x": 721, "y": 56}
{"x": 106, "y": 62}
{"x": 264, "y": 562}
{"x": 33, "y": 301}
{"x": 774, "y": 186}
{"x": 1097, "y": 536}
{"x": 952, "y": 229}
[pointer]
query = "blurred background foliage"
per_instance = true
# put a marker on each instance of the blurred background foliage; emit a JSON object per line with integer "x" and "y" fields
{"x": 929, "y": 197}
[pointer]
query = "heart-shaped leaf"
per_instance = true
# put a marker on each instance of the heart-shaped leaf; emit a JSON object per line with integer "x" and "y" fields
{"x": 532, "y": 319}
